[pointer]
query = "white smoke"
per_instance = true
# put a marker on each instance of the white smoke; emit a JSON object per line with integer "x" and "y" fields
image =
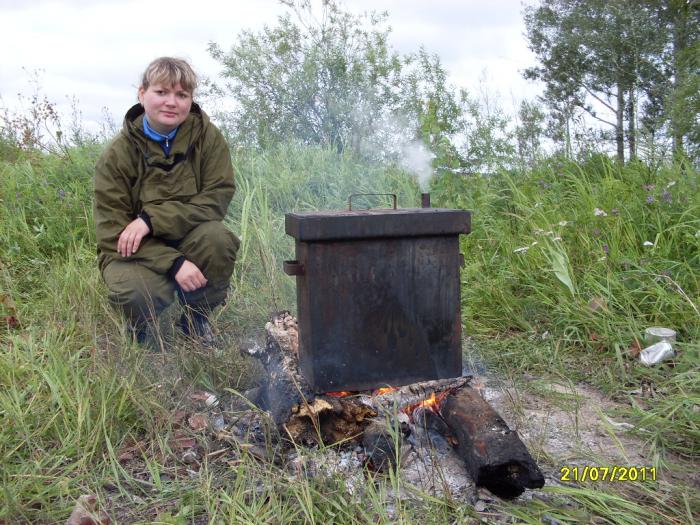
{"x": 386, "y": 140}
{"x": 417, "y": 159}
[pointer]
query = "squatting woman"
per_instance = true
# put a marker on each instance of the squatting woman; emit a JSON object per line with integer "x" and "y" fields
{"x": 162, "y": 189}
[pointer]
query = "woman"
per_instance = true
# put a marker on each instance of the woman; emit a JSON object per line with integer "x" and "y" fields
{"x": 162, "y": 189}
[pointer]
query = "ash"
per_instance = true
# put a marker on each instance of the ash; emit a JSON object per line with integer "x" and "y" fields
{"x": 331, "y": 463}
{"x": 432, "y": 467}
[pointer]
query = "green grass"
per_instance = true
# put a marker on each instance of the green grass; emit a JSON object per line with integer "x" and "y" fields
{"x": 74, "y": 391}
{"x": 575, "y": 257}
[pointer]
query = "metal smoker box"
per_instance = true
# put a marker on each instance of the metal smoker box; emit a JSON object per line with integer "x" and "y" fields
{"x": 378, "y": 295}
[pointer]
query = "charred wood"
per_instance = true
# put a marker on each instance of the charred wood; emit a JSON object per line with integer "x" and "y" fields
{"x": 427, "y": 419}
{"x": 388, "y": 402}
{"x": 328, "y": 420}
{"x": 284, "y": 386}
{"x": 380, "y": 445}
{"x": 494, "y": 455}
{"x": 429, "y": 432}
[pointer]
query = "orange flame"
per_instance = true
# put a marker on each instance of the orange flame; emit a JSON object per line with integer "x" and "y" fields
{"x": 433, "y": 403}
{"x": 382, "y": 391}
{"x": 338, "y": 394}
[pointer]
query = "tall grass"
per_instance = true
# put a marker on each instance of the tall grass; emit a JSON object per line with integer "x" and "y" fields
{"x": 581, "y": 259}
{"x": 546, "y": 252}
{"x": 74, "y": 389}
{"x": 59, "y": 404}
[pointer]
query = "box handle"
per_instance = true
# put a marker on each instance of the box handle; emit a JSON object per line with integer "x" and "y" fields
{"x": 293, "y": 268}
{"x": 392, "y": 195}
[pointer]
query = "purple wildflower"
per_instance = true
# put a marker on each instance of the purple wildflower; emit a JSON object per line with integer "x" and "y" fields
{"x": 650, "y": 199}
{"x": 606, "y": 249}
{"x": 666, "y": 196}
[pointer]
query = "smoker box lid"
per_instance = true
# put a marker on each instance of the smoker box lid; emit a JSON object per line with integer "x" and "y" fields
{"x": 365, "y": 224}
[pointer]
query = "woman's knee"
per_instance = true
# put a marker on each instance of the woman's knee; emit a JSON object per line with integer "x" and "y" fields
{"x": 140, "y": 293}
{"x": 212, "y": 236}
{"x": 212, "y": 247}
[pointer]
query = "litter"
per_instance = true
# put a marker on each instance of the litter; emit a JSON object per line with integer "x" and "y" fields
{"x": 656, "y": 353}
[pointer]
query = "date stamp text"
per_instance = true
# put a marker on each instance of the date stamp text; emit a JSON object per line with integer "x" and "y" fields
{"x": 611, "y": 473}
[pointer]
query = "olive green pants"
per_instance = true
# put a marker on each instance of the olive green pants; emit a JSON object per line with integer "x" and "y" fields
{"x": 142, "y": 293}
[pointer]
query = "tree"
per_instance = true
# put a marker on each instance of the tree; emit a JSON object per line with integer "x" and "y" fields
{"x": 529, "y": 132}
{"x": 682, "y": 58}
{"x": 312, "y": 79}
{"x": 329, "y": 77}
{"x": 426, "y": 95}
{"x": 487, "y": 140}
{"x": 594, "y": 54}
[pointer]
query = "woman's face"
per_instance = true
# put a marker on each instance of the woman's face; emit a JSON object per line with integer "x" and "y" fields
{"x": 166, "y": 106}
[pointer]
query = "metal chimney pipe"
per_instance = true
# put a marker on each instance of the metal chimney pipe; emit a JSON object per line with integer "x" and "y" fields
{"x": 425, "y": 200}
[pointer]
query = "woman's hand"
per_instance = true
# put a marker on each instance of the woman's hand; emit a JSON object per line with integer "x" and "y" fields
{"x": 189, "y": 277}
{"x": 130, "y": 239}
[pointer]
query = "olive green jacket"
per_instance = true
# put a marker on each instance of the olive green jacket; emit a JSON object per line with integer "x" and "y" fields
{"x": 192, "y": 185}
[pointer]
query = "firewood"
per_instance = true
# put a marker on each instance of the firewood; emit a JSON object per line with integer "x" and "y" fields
{"x": 407, "y": 395}
{"x": 380, "y": 446}
{"x": 329, "y": 420}
{"x": 284, "y": 386}
{"x": 494, "y": 455}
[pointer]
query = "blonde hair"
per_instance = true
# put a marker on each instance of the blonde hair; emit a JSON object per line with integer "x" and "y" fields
{"x": 170, "y": 71}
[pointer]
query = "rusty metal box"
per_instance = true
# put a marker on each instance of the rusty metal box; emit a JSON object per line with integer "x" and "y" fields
{"x": 378, "y": 296}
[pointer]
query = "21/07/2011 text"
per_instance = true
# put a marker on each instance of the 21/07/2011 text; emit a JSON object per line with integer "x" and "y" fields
{"x": 612, "y": 473}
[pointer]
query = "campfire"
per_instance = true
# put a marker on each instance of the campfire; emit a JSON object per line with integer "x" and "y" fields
{"x": 375, "y": 359}
{"x": 432, "y": 403}
{"x": 444, "y": 414}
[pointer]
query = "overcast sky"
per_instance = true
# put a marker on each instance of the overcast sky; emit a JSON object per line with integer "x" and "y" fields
{"x": 96, "y": 50}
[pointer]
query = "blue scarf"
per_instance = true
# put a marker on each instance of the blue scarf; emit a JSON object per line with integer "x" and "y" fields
{"x": 166, "y": 141}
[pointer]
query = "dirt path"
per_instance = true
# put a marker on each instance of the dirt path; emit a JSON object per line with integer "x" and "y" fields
{"x": 574, "y": 425}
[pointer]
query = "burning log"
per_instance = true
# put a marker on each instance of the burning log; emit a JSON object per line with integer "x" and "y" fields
{"x": 284, "y": 386}
{"x": 451, "y": 413}
{"x": 494, "y": 455}
{"x": 386, "y": 400}
{"x": 341, "y": 416}
{"x": 328, "y": 420}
